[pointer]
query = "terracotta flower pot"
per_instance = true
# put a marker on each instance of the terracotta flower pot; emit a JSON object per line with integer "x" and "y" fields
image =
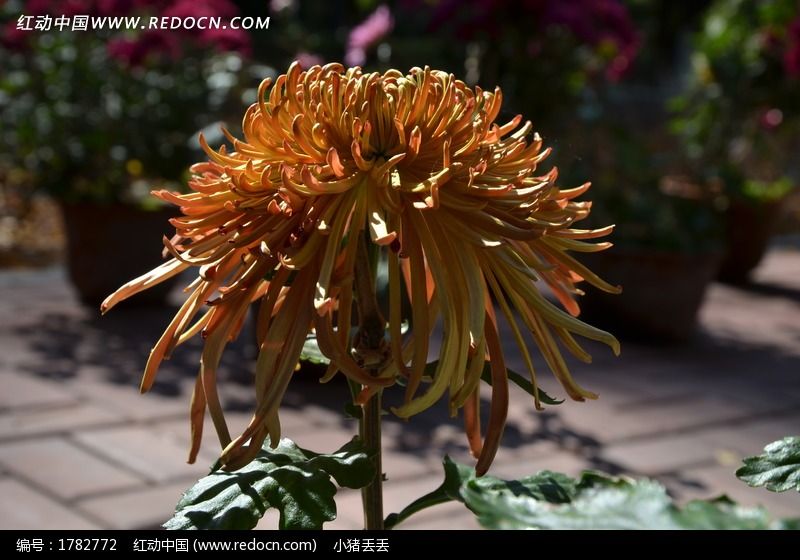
{"x": 662, "y": 293}
{"x": 110, "y": 244}
{"x": 748, "y": 229}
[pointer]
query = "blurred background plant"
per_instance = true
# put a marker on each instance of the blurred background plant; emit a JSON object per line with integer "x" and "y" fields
{"x": 739, "y": 119}
{"x": 90, "y": 114}
{"x": 549, "y": 57}
{"x": 98, "y": 118}
{"x": 577, "y": 67}
{"x": 683, "y": 115}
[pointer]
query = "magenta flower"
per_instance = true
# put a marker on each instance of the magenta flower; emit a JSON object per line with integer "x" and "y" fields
{"x": 306, "y": 60}
{"x": 55, "y": 8}
{"x": 38, "y": 7}
{"x": 13, "y": 38}
{"x": 152, "y": 43}
{"x": 595, "y": 23}
{"x": 202, "y": 8}
{"x": 116, "y": 7}
{"x": 791, "y": 57}
{"x": 472, "y": 17}
{"x": 127, "y": 51}
{"x": 592, "y": 22}
{"x": 366, "y": 34}
{"x": 770, "y": 118}
{"x": 228, "y": 40}
{"x": 223, "y": 39}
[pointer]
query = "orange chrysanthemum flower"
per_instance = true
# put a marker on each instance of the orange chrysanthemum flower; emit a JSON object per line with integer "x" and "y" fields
{"x": 453, "y": 200}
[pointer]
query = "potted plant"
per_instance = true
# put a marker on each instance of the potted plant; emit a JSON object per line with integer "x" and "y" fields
{"x": 547, "y": 56}
{"x": 738, "y": 119}
{"x": 752, "y": 215}
{"x": 666, "y": 240}
{"x": 100, "y": 118}
{"x": 666, "y": 243}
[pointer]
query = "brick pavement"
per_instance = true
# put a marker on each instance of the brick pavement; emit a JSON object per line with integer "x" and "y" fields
{"x": 80, "y": 448}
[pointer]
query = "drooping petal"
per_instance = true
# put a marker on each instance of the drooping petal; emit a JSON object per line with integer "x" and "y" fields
{"x": 453, "y": 205}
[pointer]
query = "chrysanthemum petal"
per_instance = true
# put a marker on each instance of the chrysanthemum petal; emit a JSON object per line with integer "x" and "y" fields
{"x": 452, "y": 202}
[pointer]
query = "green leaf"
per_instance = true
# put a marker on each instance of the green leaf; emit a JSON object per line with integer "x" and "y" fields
{"x": 722, "y": 513}
{"x": 454, "y": 476}
{"x": 777, "y": 469}
{"x": 545, "y": 485}
{"x": 312, "y": 353}
{"x": 295, "y": 481}
{"x": 549, "y": 500}
{"x": 603, "y": 502}
{"x": 595, "y": 502}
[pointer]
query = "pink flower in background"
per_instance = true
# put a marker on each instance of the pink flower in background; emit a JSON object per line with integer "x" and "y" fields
{"x": 791, "y": 58}
{"x": 770, "y": 118}
{"x": 56, "y": 8}
{"x": 38, "y": 7}
{"x": 116, "y": 7}
{"x": 236, "y": 40}
{"x": 125, "y": 50}
{"x": 472, "y": 17}
{"x": 597, "y": 23}
{"x": 11, "y": 37}
{"x": 307, "y": 60}
{"x": 202, "y": 8}
{"x": 135, "y": 52}
{"x": 223, "y": 39}
{"x": 181, "y": 8}
{"x": 366, "y": 34}
{"x": 188, "y": 8}
{"x": 620, "y": 65}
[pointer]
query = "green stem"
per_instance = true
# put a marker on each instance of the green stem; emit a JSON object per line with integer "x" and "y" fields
{"x": 369, "y": 347}
{"x": 372, "y": 495}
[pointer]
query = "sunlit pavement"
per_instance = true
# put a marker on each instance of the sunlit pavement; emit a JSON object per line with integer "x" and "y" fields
{"x": 80, "y": 448}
